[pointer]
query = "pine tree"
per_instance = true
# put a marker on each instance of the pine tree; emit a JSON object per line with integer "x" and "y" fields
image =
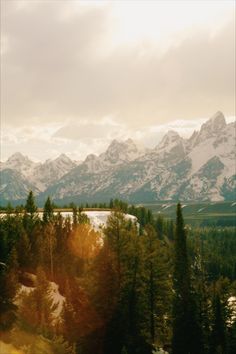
{"x": 218, "y": 335}
{"x": 8, "y": 289}
{"x": 157, "y": 286}
{"x": 75, "y": 216}
{"x": 50, "y": 244}
{"x": 221, "y": 316}
{"x": 24, "y": 251}
{"x": 232, "y": 338}
{"x": 9, "y": 208}
{"x": 30, "y": 206}
{"x": 186, "y": 330}
{"x": 79, "y": 317}
{"x": 125, "y": 325}
{"x": 37, "y": 307}
{"x": 159, "y": 226}
{"x": 48, "y": 211}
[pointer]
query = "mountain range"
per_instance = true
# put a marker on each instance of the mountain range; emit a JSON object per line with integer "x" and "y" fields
{"x": 200, "y": 168}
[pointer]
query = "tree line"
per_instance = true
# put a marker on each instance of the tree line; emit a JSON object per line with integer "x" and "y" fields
{"x": 141, "y": 287}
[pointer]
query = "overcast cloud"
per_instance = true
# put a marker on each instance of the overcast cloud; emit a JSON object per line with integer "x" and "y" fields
{"x": 72, "y": 79}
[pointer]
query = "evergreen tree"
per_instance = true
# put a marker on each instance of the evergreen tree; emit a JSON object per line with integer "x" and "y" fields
{"x": 48, "y": 211}
{"x": 50, "y": 245}
{"x": 232, "y": 338}
{"x": 159, "y": 226}
{"x": 125, "y": 326}
{"x": 24, "y": 251}
{"x": 37, "y": 307}
{"x": 75, "y": 216}
{"x": 8, "y": 289}
{"x": 187, "y": 337}
{"x": 157, "y": 286}
{"x": 218, "y": 335}
{"x": 79, "y": 317}
{"x": 9, "y": 208}
{"x": 30, "y": 206}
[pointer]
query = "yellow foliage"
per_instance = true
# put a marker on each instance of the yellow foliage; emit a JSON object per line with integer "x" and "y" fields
{"x": 85, "y": 242}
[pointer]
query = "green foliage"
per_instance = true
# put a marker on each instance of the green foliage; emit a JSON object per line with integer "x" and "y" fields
{"x": 8, "y": 286}
{"x": 158, "y": 285}
{"x": 36, "y": 307}
{"x": 30, "y": 206}
{"x": 187, "y": 337}
{"x": 118, "y": 285}
{"x": 48, "y": 211}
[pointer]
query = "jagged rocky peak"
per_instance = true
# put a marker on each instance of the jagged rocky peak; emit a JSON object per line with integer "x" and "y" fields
{"x": 17, "y": 156}
{"x": 91, "y": 157}
{"x": 171, "y": 138}
{"x": 129, "y": 142}
{"x": 93, "y": 163}
{"x": 63, "y": 158}
{"x": 115, "y": 144}
{"x": 121, "y": 151}
{"x": 115, "y": 147}
{"x": 212, "y": 128}
{"x": 215, "y": 124}
{"x": 19, "y": 162}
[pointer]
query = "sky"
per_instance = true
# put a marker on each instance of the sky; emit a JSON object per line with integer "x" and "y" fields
{"x": 77, "y": 74}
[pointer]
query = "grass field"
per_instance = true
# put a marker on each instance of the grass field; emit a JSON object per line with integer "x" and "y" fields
{"x": 199, "y": 214}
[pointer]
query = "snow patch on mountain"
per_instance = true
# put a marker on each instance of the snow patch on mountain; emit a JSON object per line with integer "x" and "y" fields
{"x": 201, "y": 167}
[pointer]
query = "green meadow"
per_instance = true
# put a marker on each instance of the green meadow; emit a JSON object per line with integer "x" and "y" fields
{"x": 199, "y": 214}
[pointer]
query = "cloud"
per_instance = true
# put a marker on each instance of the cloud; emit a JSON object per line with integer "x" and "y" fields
{"x": 63, "y": 66}
{"x": 86, "y": 130}
{"x": 52, "y": 70}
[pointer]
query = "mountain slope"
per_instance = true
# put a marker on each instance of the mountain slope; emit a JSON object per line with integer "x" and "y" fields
{"x": 13, "y": 185}
{"x": 199, "y": 168}
{"x": 189, "y": 169}
{"x": 50, "y": 171}
{"x": 39, "y": 175}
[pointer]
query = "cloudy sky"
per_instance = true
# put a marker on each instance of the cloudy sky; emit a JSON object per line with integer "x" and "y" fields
{"x": 77, "y": 74}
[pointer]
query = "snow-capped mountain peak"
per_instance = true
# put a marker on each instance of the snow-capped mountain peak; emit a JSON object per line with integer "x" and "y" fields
{"x": 93, "y": 163}
{"x": 17, "y": 157}
{"x": 169, "y": 140}
{"x": 213, "y": 126}
{"x": 217, "y": 121}
{"x": 20, "y": 163}
{"x": 91, "y": 157}
{"x": 120, "y": 152}
{"x": 63, "y": 157}
{"x": 201, "y": 167}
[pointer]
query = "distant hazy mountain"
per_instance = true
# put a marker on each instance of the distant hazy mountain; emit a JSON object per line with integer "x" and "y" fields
{"x": 39, "y": 175}
{"x": 199, "y": 168}
{"x": 13, "y": 186}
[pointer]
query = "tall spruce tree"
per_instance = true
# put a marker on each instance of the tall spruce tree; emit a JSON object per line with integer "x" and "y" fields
{"x": 48, "y": 211}
{"x": 157, "y": 286}
{"x": 30, "y": 206}
{"x": 186, "y": 330}
{"x": 125, "y": 329}
{"x": 218, "y": 335}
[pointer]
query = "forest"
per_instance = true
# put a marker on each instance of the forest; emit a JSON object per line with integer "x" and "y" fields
{"x": 153, "y": 286}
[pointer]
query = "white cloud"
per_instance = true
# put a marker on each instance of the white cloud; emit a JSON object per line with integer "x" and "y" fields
{"x": 51, "y": 140}
{"x": 75, "y": 75}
